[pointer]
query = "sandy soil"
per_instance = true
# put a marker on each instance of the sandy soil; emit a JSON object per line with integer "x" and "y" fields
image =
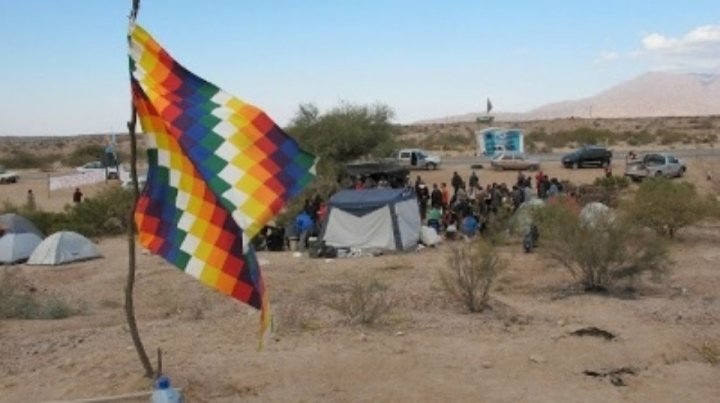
{"x": 426, "y": 349}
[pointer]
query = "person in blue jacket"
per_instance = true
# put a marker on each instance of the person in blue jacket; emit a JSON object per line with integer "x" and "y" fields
{"x": 469, "y": 225}
{"x": 303, "y": 227}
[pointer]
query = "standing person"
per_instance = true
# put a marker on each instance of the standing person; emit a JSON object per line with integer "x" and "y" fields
{"x": 539, "y": 184}
{"x": 608, "y": 171}
{"x": 445, "y": 195}
{"x": 456, "y": 182}
{"x": 436, "y": 197}
{"x": 423, "y": 197}
{"x": 418, "y": 181}
{"x": 77, "y": 196}
{"x": 473, "y": 181}
{"x": 31, "y": 200}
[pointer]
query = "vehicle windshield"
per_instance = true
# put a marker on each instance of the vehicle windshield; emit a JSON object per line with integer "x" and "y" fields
{"x": 421, "y": 154}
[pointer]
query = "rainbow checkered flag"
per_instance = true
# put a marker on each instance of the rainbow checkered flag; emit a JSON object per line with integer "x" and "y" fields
{"x": 219, "y": 170}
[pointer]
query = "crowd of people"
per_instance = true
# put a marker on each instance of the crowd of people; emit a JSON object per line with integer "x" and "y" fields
{"x": 466, "y": 208}
{"x": 462, "y": 208}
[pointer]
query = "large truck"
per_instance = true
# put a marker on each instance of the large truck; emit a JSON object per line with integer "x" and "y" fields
{"x": 495, "y": 140}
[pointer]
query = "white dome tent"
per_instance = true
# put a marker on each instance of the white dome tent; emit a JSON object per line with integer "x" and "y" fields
{"x": 17, "y": 247}
{"x": 63, "y": 247}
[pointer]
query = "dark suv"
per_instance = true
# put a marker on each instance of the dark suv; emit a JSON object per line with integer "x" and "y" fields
{"x": 587, "y": 155}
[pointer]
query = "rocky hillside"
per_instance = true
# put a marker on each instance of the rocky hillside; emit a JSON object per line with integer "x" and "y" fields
{"x": 650, "y": 95}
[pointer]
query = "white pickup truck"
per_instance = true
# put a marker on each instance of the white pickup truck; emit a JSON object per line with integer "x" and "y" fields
{"x": 649, "y": 165}
{"x": 8, "y": 177}
{"x": 415, "y": 158}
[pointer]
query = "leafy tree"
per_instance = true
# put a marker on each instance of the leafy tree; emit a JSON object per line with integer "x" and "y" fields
{"x": 666, "y": 206}
{"x": 345, "y": 133}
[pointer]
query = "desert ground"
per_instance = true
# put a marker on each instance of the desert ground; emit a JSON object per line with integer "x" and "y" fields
{"x": 427, "y": 348}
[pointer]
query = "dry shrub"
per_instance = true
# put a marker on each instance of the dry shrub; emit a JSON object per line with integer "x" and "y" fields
{"x": 472, "y": 268}
{"x": 599, "y": 253}
{"x": 709, "y": 352}
{"x": 295, "y": 316}
{"x": 666, "y": 206}
{"x": 363, "y": 301}
{"x": 18, "y": 301}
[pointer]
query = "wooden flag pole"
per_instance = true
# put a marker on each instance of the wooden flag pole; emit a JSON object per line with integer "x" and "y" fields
{"x": 130, "y": 284}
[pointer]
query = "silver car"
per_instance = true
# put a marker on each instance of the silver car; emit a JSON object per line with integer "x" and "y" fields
{"x": 515, "y": 161}
{"x": 656, "y": 165}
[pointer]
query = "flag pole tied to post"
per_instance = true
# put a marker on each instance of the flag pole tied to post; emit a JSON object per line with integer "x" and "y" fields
{"x": 219, "y": 170}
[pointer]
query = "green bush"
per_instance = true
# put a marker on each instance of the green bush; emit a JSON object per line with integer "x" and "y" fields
{"x": 613, "y": 183}
{"x": 671, "y": 137}
{"x": 531, "y": 146}
{"x": 101, "y": 215}
{"x": 84, "y": 154}
{"x": 666, "y": 206}
{"x": 498, "y": 225}
{"x": 471, "y": 271}
{"x": 707, "y": 139}
{"x": 572, "y": 138}
{"x": 21, "y": 159}
{"x": 639, "y": 138}
{"x": 449, "y": 141}
{"x": 601, "y": 253}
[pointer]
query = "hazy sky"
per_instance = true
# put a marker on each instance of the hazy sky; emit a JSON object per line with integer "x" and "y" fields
{"x": 64, "y": 62}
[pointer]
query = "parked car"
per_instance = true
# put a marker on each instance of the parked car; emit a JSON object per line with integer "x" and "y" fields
{"x": 514, "y": 160}
{"x": 666, "y": 165}
{"x": 94, "y": 166}
{"x": 415, "y": 158}
{"x": 587, "y": 155}
{"x": 8, "y": 177}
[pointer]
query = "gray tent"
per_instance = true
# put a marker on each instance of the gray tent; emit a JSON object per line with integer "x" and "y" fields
{"x": 13, "y": 223}
{"x": 63, "y": 247}
{"x": 15, "y": 248}
{"x": 373, "y": 218}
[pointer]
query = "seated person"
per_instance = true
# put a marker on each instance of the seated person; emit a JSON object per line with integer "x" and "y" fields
{"x": 449, "y": 218}
{"x": 451, "y": 232}
{"x": 469, "y": 226}
{"x": 434, "y": 216}
{"x": 275, "y": 238}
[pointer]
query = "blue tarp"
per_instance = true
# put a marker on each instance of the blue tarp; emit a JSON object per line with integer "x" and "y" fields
{"x": 369, "y": 198}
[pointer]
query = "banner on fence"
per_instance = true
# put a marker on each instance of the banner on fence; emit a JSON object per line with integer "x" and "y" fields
{"x": 76, "y": 180}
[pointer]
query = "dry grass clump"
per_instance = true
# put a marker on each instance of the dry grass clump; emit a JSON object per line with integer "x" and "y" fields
{"x": 18, "y": 301}
{"x": 362, "y": 301}
{"x": 472, "y": 269}
{"x": 709, "y": 351}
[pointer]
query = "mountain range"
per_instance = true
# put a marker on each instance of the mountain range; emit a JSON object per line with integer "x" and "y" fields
{"x": 649, "y": 95}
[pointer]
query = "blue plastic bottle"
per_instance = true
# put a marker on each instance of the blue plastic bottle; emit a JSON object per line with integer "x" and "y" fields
{"x": 164, "y": 392}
